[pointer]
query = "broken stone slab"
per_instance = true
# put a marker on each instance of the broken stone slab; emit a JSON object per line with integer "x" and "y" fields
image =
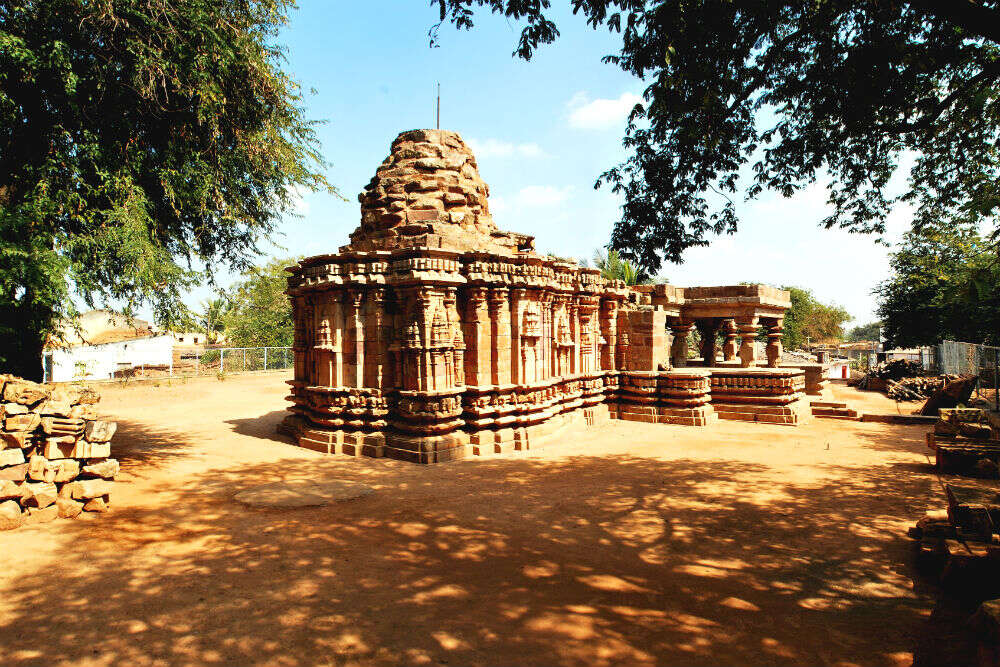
{"x": 25, "y": 422}
{"x": 16, "y": 440}
{"x": 54, "y": 448}
{"x": 10, "y": 490}
{"x": 99, "y": 431}
{"x": 11, "y": 457}
{"x": 107, "y": 469}
{"x": 58, "y": 426}
{"x": 69, "y": 508}
{"x": 16, "y": 473}
{"x": 40, "y": 494}
{"x": 302, "y": 493}
{"x": 66, "y": 470}
{"x": 11, "y": 409}
{"x": 11, "y": 515}
{"x": 101, "y": 504}
{"x": 85, "y": 412}
{"x": 85, "y": 489}
{"x": 41, "y": 514}
{"x": 25, "y": 392}
{"x": 60, "y": 470}
{"x": 38, "y": 469}
{"x": 53, "y": 408}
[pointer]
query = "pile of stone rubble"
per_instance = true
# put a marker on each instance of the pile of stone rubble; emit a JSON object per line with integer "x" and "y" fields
{"x": 54, "y": 453}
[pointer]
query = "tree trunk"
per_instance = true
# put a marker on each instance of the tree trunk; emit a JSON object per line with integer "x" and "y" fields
{"x": 25, "y": 328}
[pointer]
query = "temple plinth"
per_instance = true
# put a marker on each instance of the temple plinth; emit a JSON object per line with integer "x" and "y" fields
{"x": 434, "y": 335}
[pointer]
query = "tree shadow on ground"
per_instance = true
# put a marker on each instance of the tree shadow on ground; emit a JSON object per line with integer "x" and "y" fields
{"x": 582, "y": 560}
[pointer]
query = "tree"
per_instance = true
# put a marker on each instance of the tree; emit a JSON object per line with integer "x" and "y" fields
{"x": 212, "y": 319}
{"x": 870, "y": 332}
{"x": 790, "y": 90}
{"x": 945, "y": 285}
{"x": 260, "y": 315}
{"x": 138, "y": 139}
{"x": 810, "y": 321}
{"x": 613, "y": 267}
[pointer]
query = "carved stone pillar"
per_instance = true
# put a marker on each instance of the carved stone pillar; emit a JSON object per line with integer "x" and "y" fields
{"x": 730, "y": 346}
{"x": 774, "y": 349}
{"x": 354, "y": 347}
{"x": 500, "y": 327}
{"x": 748, "y": 334}
{"x": 609, "y": 330}
{"x": 544, "y": 360}
{"x": 679, "y": 347}
{"x": 375, "y": 340}
{"x": 517, "y": 303}
{"x": 478, "y": 337}
{"x": 708, "y": 331}
{"x": 303, "y": 342}
{"x": 574, "y": 322}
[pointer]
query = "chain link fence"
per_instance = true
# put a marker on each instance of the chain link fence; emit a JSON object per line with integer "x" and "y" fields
{"x": 228, "y": 360}
{"x": 193, "y": 362}
{"x": 957, "y": 358}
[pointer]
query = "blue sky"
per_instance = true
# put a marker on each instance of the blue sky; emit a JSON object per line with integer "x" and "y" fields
{"x": 543, "y": 131}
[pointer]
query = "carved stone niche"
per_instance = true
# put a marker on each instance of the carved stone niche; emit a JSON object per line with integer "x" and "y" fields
{"x": 531, "y": 321}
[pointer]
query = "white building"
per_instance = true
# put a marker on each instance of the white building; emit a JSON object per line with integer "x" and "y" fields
{"x": 104, "y": 361}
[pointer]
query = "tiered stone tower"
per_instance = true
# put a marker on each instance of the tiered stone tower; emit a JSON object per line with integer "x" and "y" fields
{"x": 433, "y": 335}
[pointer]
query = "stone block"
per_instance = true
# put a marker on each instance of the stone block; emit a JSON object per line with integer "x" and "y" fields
{"x": 54, "y": 408}
{"x": 16, "y": 473}
{"x": 25, "y": 392}
{"x": 11, "y": 457}
{"x": 69, "y": 508}
{"x": 40, "y": 494}
{"x": 99, "y": 431}
{"x": 41, "y": 514}
{"x": 11, "y": 515}
{"x": 16, "y": 440}
{"x": 85, "y": 489}
{"x": 10, "y": 490}
{"x": 66, "y": 470}
{"x": 85, "y": 412}
{"x": 11, "y": 409}
{"x": 57, "y": 426}
{"x": 81, "y": 449}
{"x": 26, "y": 422}
{"x": 39, "y": 469}
{"x": 100, "y": 504}
{"x": 106, "y": 469}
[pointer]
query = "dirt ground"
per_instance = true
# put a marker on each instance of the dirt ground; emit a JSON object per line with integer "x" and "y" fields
{"x": 623, "y": 544}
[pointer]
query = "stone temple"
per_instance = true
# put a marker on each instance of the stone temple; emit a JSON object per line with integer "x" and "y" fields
{"x": 433, "y": 335}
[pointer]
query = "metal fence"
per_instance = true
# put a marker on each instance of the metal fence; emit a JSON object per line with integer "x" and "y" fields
{"x": 216, "y": 361}
{"x": 983, "y": 361}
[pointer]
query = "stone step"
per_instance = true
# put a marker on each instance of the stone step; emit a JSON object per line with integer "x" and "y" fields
{"x": 835, "y": 413}
{"x": 827, "y": 404}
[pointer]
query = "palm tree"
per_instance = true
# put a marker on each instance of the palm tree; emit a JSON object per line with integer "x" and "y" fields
{"x": 613, "y": 267}
{"x": 212, "y": 318}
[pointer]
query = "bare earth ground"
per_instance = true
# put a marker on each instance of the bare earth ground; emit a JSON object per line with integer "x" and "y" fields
{"x": 624, "y": 544}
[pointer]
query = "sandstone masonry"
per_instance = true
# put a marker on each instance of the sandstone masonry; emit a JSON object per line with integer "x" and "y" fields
{"x": 54, "y": 453}
{"x": 434, "y": 335}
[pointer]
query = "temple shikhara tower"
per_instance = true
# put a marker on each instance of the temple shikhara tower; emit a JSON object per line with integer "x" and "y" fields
{"x": 433, "y": 335}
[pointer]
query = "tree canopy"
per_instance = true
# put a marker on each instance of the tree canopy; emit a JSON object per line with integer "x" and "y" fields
{"x": 743, "y": 97}
{"x": 811, "y": 321}
{"x": 870, "y": 332}
{"x": 142, "y": 142}
{"x": 945, "y": 284}
{"x": 259, "y": 313}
